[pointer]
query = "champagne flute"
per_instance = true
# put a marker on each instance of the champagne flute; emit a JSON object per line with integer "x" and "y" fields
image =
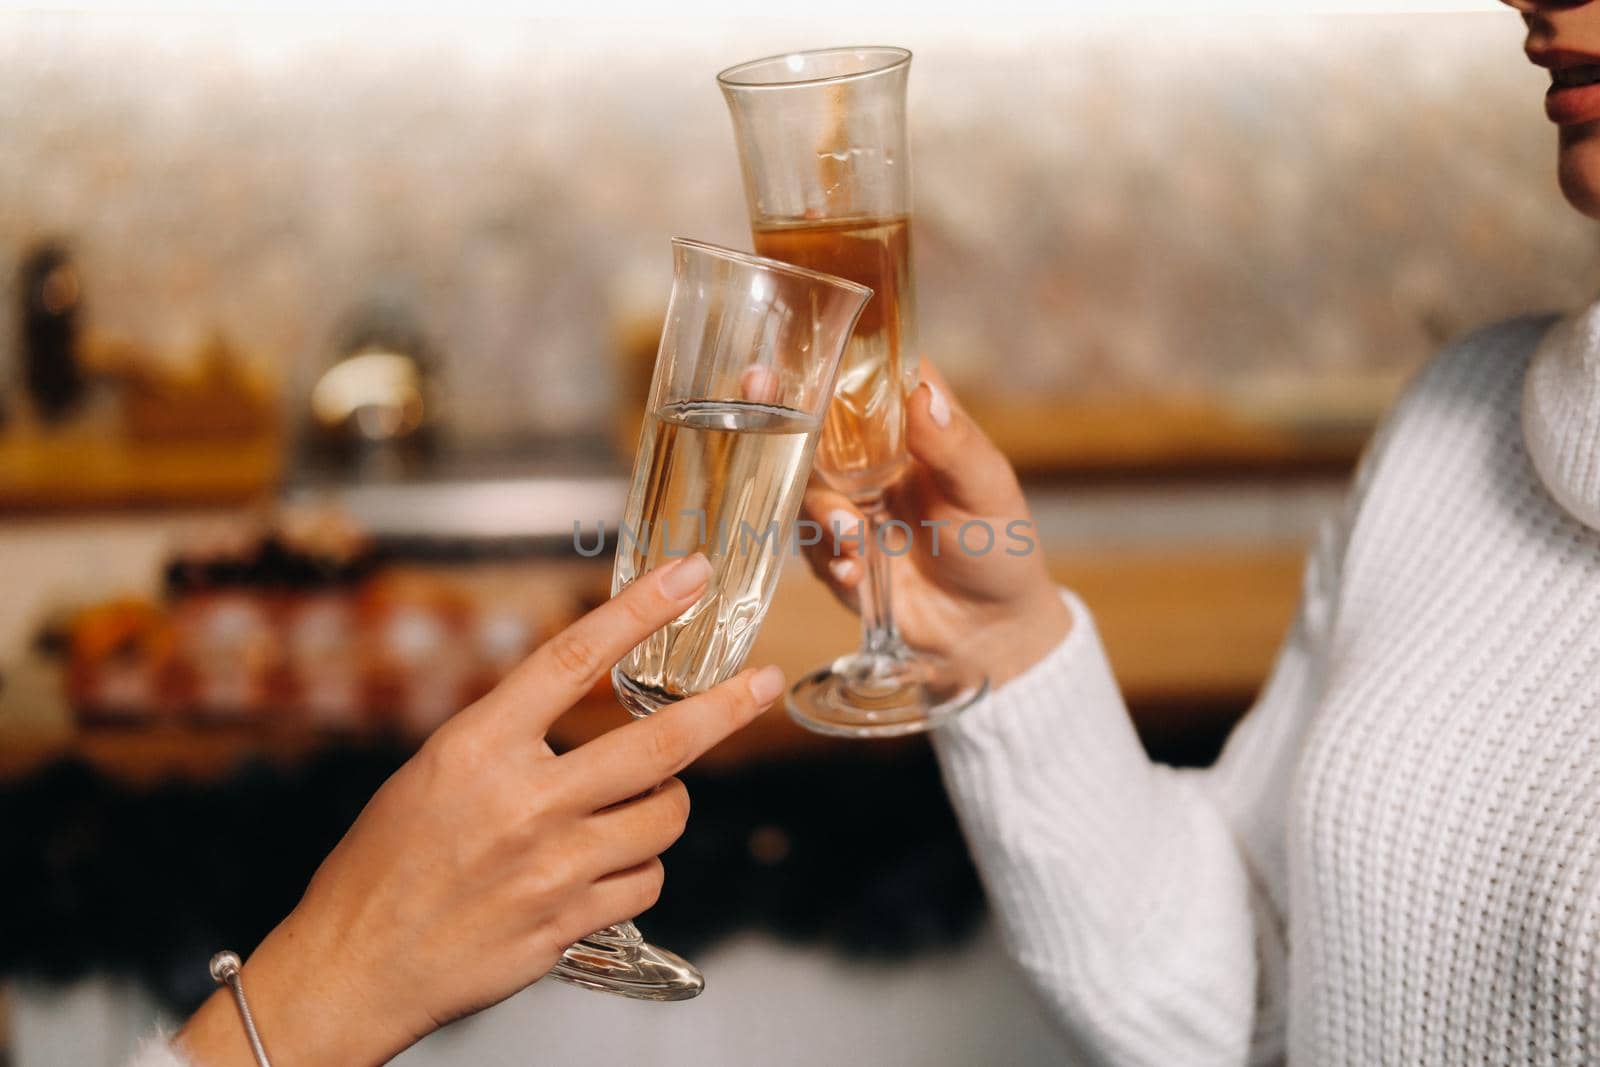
{"x": 743, "y": 376}
{"x": 822, "y": 144}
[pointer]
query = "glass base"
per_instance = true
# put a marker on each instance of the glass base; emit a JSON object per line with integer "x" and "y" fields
{"x": 867, "y": 695}
{"x": 618, "y": 960}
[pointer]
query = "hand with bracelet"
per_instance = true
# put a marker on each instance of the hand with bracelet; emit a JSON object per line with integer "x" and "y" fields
{"x": 484, "y": 856}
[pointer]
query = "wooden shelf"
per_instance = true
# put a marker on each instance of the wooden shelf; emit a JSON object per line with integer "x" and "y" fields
{"x": 1161, "y": 435}
{"x": 78, "y": 470}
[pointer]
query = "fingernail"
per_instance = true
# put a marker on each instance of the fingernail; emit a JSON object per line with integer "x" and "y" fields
{"x": 766, "y": 684}
{"x": 686, "y": 576}
{"x": 843, "y": 523}
{"x": 759, "y": 384}
{"x": 938, "y": 406}
{"x": 843, "y": 570}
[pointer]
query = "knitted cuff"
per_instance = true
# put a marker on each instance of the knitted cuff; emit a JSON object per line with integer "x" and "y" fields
{"x": 157, "y": 1051}
{"x": 1048, "y": 775}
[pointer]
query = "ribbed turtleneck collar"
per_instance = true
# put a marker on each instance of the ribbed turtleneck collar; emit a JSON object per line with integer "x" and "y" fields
{"x": 1561, "y": 413}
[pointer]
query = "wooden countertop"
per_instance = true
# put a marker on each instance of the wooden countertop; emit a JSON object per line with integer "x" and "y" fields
{"x": 1188, "y": 631}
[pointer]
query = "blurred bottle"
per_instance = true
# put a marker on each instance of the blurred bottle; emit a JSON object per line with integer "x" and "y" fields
{"x": 636, "y": 313}
{"x": 51, "y": 300}
{"x": 373, "y": 407}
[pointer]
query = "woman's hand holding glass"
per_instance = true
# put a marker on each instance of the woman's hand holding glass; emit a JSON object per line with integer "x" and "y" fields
{"x": 486, "y": 854}
{"x": 994, "y": 612}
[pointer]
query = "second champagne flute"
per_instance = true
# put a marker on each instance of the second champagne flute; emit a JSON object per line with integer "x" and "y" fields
{"x": 743, "y": 376}
{"x": 827, "y": 177}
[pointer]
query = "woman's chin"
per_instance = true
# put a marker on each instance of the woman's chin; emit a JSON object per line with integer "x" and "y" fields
{"x": 1579, "y": 167}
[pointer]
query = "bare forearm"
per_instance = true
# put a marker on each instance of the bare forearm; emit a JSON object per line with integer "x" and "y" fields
{"x": 214, "y": 1035}
{"x": 306, "y": 1006}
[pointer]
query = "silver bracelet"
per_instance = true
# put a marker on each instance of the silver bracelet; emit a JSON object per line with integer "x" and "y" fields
{"x": 225, "y": 970}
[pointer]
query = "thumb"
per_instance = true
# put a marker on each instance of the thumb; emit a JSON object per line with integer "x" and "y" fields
{"x": 965, "y": 466}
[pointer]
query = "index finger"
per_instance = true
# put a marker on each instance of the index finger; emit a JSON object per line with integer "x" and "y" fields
{"x": 542, "y": 687}
{"x": 646, "y": 752}
{"x": 966, "y": 467}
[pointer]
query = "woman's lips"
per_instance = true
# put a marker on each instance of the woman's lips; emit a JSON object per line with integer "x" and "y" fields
{"x": 1569, "y": 107}
{"x": 1574, "y": 94}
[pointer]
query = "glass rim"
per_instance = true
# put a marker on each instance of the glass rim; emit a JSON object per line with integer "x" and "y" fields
{"x": 777, "y": 266}
{"x": 898, "y": 57}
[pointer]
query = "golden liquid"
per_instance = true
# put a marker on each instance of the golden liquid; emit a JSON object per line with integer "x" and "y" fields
{"x": 862, "y": 448}
{"x": 704, "y": 469}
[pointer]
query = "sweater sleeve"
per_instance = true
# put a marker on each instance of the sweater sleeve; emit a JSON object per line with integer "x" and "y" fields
{"x": 157, "y": 1051}
{"x": 1143, "y": 902}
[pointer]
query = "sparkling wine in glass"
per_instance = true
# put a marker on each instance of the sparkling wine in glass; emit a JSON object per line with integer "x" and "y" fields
{"x": 743, "y": 377}
{"x": 723, "y": 477}
{"x": 863, "y": 446}
{"x": 822, "y": 145}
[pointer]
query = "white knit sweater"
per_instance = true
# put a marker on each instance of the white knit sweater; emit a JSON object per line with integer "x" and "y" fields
{"x": 157, "y": 1051}
{"x": 1397, "y": 858}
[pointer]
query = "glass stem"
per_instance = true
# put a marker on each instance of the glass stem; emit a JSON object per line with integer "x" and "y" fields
{"x": 879, "y": 637}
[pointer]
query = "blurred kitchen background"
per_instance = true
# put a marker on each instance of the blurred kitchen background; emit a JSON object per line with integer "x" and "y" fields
{"x": 318, "y": 331}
